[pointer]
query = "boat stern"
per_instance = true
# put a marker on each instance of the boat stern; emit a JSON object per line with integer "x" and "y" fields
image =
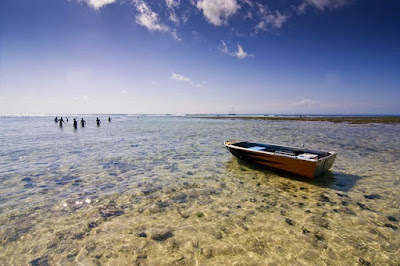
{"x": 324, "y": 164}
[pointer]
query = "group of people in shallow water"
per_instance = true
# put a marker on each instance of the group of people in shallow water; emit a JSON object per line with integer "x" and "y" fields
{"x": 75, "y": 123}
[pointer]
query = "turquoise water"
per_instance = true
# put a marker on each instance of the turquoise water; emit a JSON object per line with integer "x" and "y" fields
{"x": 164, "y": 190}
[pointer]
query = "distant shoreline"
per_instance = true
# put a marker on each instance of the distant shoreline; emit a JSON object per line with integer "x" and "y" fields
{"x": 336, "y": 119}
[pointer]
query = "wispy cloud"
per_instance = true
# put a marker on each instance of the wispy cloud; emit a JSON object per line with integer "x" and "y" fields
{"x": 305, "y": 102}
{"x": 124, "y": 92}
{"x": 172, "y": 5}
{"x": 240, "y": 53}
{"x": 217, "y": 12}
{"x": 182, "y": 78}
{"x": 149, "y": 19}
{"x": 97, "y": 4}
{"x": 321, "y": 4}
{"x": 81, "y": 99}
{"x": 270, "y": 19}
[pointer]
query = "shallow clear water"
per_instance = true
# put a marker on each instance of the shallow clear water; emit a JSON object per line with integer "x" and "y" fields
{"x": 164, "y": 190}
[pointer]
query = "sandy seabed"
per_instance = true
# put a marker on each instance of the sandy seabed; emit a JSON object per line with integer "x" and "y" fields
{"x": 165, "y": 191}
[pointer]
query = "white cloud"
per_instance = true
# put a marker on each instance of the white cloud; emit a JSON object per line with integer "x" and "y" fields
{"x": 185, "y": 17}
{"x": 217, "y": 12}
{"x": 240, "y": 53}
{"x": 305, "y": 102}
{"x": 270, "y": 19}
{"x": 149, "y": 19}
{"x": 81, "y": 99}
{"x": 124, "y": 92}
{"x": 172, "y": 5}
{"x": 321, "y": 4}
{"x": 179, "y": 77}
{"x": 97, "y": 4}
{"x": 182, "y": 78}
{"x": 173, "y": 17}
{"x": 224, "y": 48}
{"x": 273, "y": 20}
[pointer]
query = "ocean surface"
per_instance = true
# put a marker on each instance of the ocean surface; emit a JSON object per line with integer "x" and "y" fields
{"x": 165, "y": 191}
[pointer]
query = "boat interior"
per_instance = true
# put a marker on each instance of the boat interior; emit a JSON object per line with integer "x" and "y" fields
{"x": 282, "y": 150}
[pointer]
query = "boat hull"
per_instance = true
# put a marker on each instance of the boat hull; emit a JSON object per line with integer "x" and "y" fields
{"x": 306, "y": 168}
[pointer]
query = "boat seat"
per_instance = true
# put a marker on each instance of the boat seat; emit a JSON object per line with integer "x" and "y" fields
{"x": 285, "y": 153}
{"x": 307, "y": 156}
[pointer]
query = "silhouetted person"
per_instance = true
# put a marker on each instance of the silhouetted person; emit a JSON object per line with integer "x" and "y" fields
{"x": 75, "y": 123}
{"x": 98, "y": 121}
{"x": 67, "y": 119}
{"x": 56, "y": 119}
{"x": 83, "y": 122}
{"x": 61, "y": 122}
{"x": 109, "y": 119}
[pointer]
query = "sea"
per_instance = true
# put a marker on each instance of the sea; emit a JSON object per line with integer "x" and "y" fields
{"x": 163, "y": 190}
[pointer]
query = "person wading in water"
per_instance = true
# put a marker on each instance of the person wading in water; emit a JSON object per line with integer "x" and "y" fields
{"x": 98, "y": 121}
{"x": 75, "y": 123}
{"x": 61, "y": 122}
{"x": 83, "y": 122}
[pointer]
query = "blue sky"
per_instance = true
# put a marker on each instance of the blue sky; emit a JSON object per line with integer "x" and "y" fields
{"x": 200, "y": 56}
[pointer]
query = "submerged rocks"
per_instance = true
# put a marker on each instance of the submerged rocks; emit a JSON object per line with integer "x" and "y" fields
{"x": 391, "y": 226}
{"x": 161, "y": 235}
{"x": 79, "y": 235}
{"x": 65, "y": 180}
{"x": 28, "y": 182}
{"x": 323, "y": 198}
{"x": 142, "y": 234}
{"x": 319, "y": 237}
{"x": 392, "y": 218}
{"x": 289, "y": 221}
{"x": 26, "y": 179}
{"x": 180, "y": 198}
{"x": 364, "y": 262}
{"x": 372, "y": 196}
{"x": 349, "y": 211}
{"x": 362, "y": 206}
{"x": 149, "y": 190}
{"x": 110, "y": 210}
{"x": 42, "y": 261}
{"x": 90, "y": 246}
{"x": 162, "y": 204}
{"x": 92, "y": 225}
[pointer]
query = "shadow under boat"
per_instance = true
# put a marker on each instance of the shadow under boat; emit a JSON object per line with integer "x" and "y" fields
{"x": 330, "y": 179}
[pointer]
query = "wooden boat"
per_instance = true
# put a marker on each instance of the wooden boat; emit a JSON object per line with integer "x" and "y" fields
{"x": 304, "y": 162}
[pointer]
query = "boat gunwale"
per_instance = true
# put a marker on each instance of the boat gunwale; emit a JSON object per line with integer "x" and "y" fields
{"x": 331, "y": 153}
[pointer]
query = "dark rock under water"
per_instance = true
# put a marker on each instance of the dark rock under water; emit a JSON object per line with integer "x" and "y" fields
{"x": 110, "y": 210}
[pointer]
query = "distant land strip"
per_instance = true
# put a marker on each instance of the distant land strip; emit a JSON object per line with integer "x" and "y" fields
{"x": 335, "y": 119}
